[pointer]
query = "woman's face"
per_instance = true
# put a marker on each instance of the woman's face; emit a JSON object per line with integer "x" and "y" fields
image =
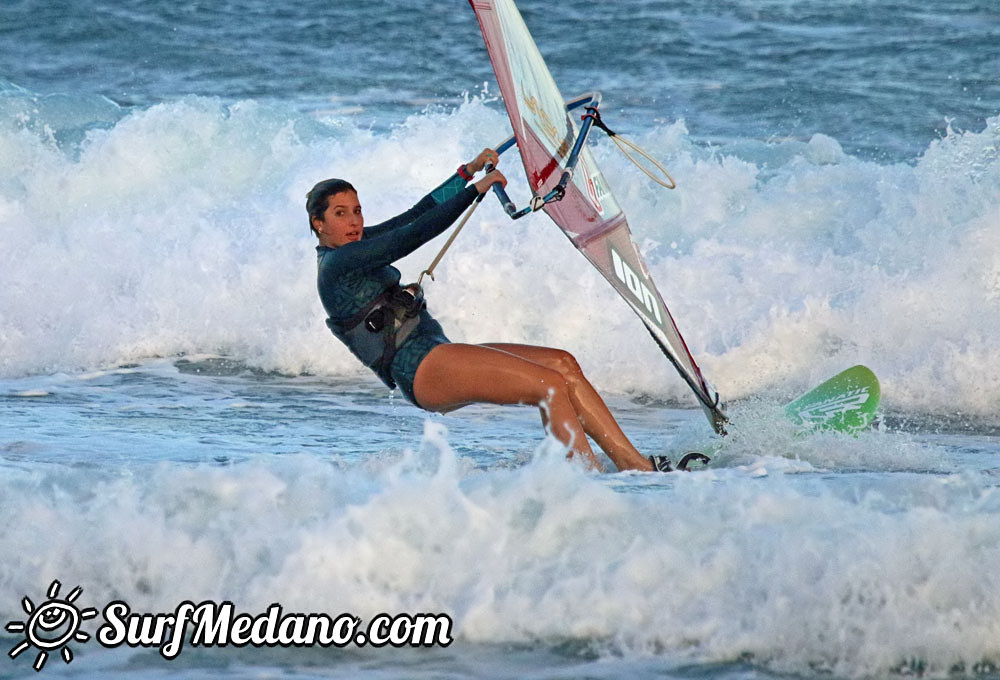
{"x": 342, "y": 222}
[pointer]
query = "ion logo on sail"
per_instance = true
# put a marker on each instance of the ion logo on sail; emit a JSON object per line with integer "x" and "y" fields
{"x": 636, "y": 286}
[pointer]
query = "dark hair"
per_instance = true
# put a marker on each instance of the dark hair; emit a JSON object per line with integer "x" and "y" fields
{"x": 318, "y": 198}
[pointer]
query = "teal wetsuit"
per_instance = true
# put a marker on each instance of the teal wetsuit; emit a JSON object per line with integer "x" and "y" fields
{"x": 353, "y": 275}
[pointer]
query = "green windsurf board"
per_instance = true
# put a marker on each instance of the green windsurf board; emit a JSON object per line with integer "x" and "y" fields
{"x": 847, "y": 402}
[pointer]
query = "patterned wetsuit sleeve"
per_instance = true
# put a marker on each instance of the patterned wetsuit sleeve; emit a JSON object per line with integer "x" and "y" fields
{"x": 378, "y": 250}
{"x": 448, "y": 189}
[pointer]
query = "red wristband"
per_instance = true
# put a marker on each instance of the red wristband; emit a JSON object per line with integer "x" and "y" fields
{"x": 464, "y": 173}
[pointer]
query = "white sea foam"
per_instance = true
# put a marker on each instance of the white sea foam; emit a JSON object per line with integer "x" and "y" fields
{"x": 796, "y": 572}
{"x": 180, "y": 229}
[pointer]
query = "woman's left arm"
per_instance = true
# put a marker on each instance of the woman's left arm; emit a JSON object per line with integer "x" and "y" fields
{"x": 451, "y": 187}
{"x": 386, "y": 246}
{"x": 382, "y": 249}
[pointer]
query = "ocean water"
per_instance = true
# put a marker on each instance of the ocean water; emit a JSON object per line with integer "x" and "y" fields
{"x": 177, "y": 424}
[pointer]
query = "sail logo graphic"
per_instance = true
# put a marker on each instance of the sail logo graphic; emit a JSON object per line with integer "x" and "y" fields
{"x": 597, "y": 188}
{"x": 636, "y": 286}
{"x": 51, "y": 626}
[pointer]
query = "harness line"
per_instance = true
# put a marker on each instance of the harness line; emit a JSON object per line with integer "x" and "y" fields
{"x": 447, "y": 244}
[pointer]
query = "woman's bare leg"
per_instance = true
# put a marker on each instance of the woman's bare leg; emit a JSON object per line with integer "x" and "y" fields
{"x": 455, "y": 375}
{"x": 597, "y": 419}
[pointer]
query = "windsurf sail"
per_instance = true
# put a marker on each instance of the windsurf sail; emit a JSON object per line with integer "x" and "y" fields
{"x": 567, "y": 184}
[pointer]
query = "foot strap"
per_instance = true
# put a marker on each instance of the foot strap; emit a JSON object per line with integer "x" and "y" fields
{"x": 690, "y": 456}
{"x": 663, "y": 464}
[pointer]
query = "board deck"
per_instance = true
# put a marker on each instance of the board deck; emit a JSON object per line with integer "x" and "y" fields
{"x": 847, "y": 402}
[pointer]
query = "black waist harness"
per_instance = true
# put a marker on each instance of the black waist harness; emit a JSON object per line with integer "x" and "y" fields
{"x": 375, "y": 333}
